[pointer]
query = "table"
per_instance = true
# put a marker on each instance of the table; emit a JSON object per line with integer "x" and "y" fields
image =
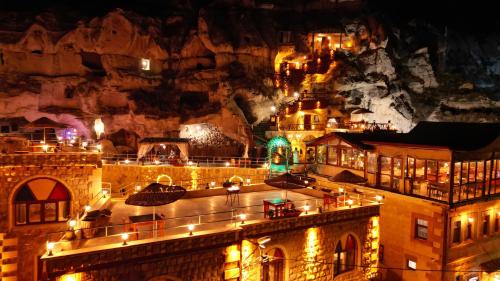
{"x": 233, "y": 194}
{"x": 278, "y": 204}
{"x": 436, "y": 191}
{"x": 146, "y": 220}
{"x": 330, "y": 199}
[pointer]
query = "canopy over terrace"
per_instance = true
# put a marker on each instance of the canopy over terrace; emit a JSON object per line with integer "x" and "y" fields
{"x": 147, "y": 144}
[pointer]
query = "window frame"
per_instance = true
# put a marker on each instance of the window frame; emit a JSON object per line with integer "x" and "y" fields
{"x": 419, "y": 226}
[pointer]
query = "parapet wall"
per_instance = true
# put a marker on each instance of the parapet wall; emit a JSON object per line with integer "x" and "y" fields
{"x": 191, "y": 178}
{"x": 306, "y": 241}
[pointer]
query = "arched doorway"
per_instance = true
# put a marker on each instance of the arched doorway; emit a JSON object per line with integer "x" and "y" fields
{"x": 274, "y": 269}
{"x": 41, "y": 200}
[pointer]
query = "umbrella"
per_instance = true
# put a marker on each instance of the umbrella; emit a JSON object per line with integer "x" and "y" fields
{"x": 288, "y": 181}
{"x": 156, "y": 194}
{"x": 347, "y": 177}
{"x": 361, "y": 111}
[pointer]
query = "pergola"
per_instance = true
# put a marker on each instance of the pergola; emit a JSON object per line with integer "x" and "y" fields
{"x": 147, "y": 144}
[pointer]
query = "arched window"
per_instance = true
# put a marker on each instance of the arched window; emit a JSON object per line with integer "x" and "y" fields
{"x": 338, "y": 260}
{"x": 345, "y": 259}
{"x": 350, "y": 249}
{"x": 41, "y": 200}
{"x": 274, "y": 269}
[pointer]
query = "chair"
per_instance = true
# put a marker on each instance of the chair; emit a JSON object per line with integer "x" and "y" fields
{"x": 329, "y": 200}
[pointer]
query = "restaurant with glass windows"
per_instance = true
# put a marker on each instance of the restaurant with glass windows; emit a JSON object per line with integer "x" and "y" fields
{"x": 444, "y": 162}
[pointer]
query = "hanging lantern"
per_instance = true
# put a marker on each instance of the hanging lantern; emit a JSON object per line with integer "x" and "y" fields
{"x": 98, "y": 127}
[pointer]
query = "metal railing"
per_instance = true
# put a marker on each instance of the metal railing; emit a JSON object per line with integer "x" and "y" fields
{"x": 83, "y": 237}
{"x": 195, "y": 161}
{"x": 241, "y": 180}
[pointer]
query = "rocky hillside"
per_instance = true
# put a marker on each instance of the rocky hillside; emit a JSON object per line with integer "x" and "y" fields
{"x": 213, "y": 63}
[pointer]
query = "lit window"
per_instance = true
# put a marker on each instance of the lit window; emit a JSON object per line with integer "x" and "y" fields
{"x": 421, "y": 229}
{"x": 41, "y": 200}
{"x": 412, "y": 264}
{"x": 145, "y": 64}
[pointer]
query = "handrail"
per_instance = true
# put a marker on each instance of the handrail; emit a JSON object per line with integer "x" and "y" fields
{"x": 181, "y": 223}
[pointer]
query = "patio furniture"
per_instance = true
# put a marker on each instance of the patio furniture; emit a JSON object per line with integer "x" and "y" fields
{"x": 330, "y": 199}
{"x": 156, "y": 221}
{"x": 232, "y": 194}
{"x": 280, "y": 208}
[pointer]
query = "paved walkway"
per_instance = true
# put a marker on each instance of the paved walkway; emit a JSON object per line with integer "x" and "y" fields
{"x": 208, "y": 214}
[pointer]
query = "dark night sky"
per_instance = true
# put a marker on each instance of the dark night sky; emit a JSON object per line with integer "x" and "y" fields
{"x": 480, "y": 15}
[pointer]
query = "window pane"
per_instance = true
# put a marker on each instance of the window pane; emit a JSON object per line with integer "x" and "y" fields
{"x": 465, "y": 172}
{"x": 385, "y": 165}
{"x": 432, "y": 170}
{"x": 397, "y": 167}
{"x": 444, "y": 172}
{"x": 49, "y": 211}
{"x": 372, "y": 163}
{"x": 472, "y": 171}
{"x": 419, "y": 171}
{"x": 385, "y": 181}
{"x": 480, "y": 171}
{"x": 34, "y": 213}
{"x": 20, "y": 213}
{"x": 410, "y": 169}
{"x": 63, "y": 211}
{"x": 422, "y": 228}
{"x": 332, "y": 155}
{"x": 321, "y": 154}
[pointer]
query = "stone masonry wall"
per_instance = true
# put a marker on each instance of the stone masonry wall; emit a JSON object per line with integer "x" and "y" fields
{"x": 80, "y": 173}
{"x": 189, "y": 177}
{"x": 307, "y": 241}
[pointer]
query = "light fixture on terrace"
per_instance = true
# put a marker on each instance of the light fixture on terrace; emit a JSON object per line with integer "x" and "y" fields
{"x": 157, "y": 162}
{"x": 45, "y": 147}
{"x": 227, "y": 164}
{"x": 350, "y": 202}
{"x": 50, "y": 247}
{"x": 190, "y": 228}
{"x": 124, "y": 237}
{"x": 72, "y": 224}
{"x": 243, "y": 217}
{"x": 87, "y": 208}
{"x": 470, "y": 220}
{"x": 105, "y": 193}
{"x": 307, "y": 208}
{"x": 248, "y": 181}
{"x": 273, "y": 108}
{"x": 378, "y": 198}
{"x": 99, "y": 147}
{"x": 212, "y": 184}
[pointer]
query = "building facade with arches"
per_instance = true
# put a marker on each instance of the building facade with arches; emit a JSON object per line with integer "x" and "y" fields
{"x": 39, "y": 194}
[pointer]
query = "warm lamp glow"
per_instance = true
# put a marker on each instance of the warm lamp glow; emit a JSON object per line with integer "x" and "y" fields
{"x": 470, "y": 220}
{"x": 124, "y": 237}
{"x": 243, "y": 217}
{"x": 227, "y": 164}
{"x": 98, "y": 127}
{"x": 50, "y": 247}
{"x": 190, "y": 228}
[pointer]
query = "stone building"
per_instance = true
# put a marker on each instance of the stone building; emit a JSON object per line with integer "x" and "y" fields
{"x": 326, "y": 246}
{"x": 39, "y": 194}
{"x": 440, "y": 184}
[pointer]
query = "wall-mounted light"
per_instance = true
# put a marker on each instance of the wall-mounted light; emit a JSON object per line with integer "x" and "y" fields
{"x": 227, "y": 164}
{"x": 378, "y": 198}
{"x": 50, "y": 247}
{"x": 72, "y": 224}
{"x": 470, "y": 219}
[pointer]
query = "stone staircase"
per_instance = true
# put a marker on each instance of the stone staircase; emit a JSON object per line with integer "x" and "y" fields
{"x": 8, "y": 258}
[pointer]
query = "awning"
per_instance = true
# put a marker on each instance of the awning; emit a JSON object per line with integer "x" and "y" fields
{"x": 491, "y": 266}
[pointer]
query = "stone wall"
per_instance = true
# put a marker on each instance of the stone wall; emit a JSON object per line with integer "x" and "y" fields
{"x": 80, "y": 173}
{"x": 307, "y": 241}
{"x": 398, "y": 214}
{"x": 191, "y": 178}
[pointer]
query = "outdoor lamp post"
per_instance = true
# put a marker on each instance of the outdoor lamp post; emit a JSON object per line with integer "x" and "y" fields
{"x": 307, "y": 208}
{"x": 50, "y": 247}
{"x": 243, "y": 217}
{"x": 124, "y": 237}
{"x": 190, "y": 228}
{"x": 98, "y": 127}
